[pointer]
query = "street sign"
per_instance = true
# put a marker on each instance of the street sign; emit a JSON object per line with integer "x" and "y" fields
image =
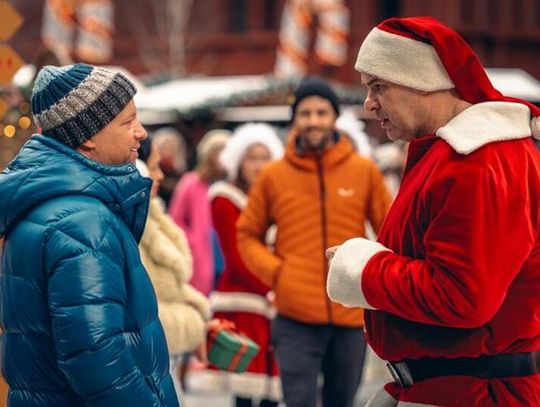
{"x": 10, "y": 20}
{"x": 10, "y": 62}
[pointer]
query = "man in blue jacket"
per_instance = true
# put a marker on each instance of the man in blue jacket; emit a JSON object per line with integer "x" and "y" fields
{"x": 77, "y": 308}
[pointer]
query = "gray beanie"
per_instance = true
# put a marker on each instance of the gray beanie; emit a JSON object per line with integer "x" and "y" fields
{"x": 72, "y": 103}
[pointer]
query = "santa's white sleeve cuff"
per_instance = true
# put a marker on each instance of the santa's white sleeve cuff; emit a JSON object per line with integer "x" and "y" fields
{"x": 344, "y": 284}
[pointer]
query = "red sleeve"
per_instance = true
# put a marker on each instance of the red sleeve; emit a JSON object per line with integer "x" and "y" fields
{"x": 224, "y": 215}
{"x": 478, "y": 235}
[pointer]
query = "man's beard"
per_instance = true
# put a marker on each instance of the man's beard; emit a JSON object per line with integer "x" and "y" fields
{"x": 320, "y": 145}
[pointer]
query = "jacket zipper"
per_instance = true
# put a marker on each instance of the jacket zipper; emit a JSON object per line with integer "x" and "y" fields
{"x": 322, "y": 193}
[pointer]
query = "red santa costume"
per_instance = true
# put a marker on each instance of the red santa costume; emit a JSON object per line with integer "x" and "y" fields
{"x": 451, "y": 287}
{"x": 240, "y": 296}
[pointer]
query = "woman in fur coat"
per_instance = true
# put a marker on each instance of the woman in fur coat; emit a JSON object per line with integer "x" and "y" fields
{"x": 240, "y": 296}
{"x": 165, "y": 253}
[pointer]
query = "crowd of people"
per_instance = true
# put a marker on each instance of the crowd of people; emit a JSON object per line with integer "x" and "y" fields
{"x": 117, "y": 260}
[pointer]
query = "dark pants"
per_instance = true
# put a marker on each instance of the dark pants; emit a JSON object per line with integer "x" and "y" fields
{"x": 304, "y": 350}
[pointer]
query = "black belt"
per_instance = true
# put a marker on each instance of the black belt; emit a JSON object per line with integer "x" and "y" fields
{"x": 410, "y": 371}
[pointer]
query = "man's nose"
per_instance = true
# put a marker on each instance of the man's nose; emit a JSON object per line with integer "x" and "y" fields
{"x": 140, "y": 132}
{"x": 313, "y": 119}
{"x": 370, "y": 104}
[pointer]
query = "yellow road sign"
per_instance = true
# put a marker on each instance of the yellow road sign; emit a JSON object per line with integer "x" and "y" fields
{"x": 10, "y": 62}
{"x": 10, "y": 20}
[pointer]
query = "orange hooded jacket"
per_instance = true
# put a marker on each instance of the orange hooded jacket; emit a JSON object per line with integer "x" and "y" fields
{"x": 316, "y": 202}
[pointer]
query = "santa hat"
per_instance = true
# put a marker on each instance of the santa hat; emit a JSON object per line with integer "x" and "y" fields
{"x": 423, "y": 54}
{"x": 244, "y": 137}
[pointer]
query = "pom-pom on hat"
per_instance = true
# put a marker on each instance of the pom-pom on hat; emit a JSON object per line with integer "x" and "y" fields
{"x": 74, "y": 102}
{"x": 422, "y": 53}
{"x": 314, "y": 86}
{"x": 242, "y": 139}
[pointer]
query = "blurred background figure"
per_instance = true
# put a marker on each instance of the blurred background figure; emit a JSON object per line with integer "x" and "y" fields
{"x": 318, "y": 194}
{"x": 354, "y": 128}
{"x": 173, "y": 159}
{"x": 190, "y": 208}
{"x": 166, "y": 256}
{"x": 241, "y": 297}
{"x": 390, "y": 158}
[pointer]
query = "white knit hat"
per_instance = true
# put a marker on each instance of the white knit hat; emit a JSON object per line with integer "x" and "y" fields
{"x": 242, "y": 139}
{"x": 210, "y": 140}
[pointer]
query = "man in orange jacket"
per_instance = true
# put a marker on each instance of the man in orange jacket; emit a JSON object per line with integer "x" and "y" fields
{"x": 318, "y": 195}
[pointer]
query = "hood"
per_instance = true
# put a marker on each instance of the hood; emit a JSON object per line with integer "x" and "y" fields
{"x": 45, "y": 169}
{"x": 331, "y": 157}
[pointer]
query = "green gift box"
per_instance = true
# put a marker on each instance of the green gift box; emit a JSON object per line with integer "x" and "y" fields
{"x": 230, "y": 350}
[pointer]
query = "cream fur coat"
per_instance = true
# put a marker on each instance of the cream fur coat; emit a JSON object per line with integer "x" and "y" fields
{"x": 165, "y": 254}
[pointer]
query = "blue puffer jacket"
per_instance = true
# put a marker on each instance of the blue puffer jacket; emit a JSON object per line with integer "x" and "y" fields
{"x": 77, "y": 308}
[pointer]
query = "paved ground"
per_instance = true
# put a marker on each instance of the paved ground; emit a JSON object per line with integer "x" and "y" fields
{"x": 206, "y": 392}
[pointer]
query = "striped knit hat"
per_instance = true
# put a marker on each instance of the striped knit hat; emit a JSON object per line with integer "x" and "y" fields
{"x": 72, "y": 103}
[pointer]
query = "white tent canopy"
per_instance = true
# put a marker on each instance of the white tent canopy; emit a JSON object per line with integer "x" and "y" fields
{"x": 515, "y": 82}
{"x": 189, "y": 93}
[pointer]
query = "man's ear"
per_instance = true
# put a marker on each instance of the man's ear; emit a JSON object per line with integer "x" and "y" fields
{"x": 88, "y": 145}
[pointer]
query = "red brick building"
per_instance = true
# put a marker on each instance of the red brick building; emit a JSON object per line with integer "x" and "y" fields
{"x": 239, "y": 37}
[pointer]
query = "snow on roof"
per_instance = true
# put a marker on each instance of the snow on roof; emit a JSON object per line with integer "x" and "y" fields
{"x": 185, "y": 94}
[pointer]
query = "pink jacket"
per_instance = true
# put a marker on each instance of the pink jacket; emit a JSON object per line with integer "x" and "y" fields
{"x": 190, "y": 209}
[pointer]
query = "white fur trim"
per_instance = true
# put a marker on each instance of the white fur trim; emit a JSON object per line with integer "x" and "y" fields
{"x": 403, "y": 61}
{"x": 227, "y": 190}
{"x": 535, "y": 127}
{"x": 241, "y": 302}
{"x": 257, "y": 385}
{"x": 344, "y": 284}
{"x": 484, "y": 123}
{"x": 244, "y": 137}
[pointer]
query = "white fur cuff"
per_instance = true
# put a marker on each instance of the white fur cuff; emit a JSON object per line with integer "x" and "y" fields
{"x": 344, "y": 284}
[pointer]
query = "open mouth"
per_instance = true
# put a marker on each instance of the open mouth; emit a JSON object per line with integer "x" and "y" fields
{"x": 384, "y": 122}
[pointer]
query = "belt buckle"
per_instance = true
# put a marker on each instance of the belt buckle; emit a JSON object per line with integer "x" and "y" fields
{"x": 400, "y": 373}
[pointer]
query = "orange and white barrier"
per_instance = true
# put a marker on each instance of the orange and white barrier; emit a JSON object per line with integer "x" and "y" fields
{"x": 91, "y": 21}
{"x": 294, "y": 38}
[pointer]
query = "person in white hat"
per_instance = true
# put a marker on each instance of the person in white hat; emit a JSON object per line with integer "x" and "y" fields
{"x": 240, "y": 296}
{"x": 451, "y": 287}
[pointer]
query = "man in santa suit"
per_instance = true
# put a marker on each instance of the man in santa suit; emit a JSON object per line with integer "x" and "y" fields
{"x": 452, "y": 286}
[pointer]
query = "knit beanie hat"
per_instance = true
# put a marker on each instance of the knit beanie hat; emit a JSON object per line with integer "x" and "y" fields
{"x": 314, "y": 86}
{"x": 422, "y": 53}
{"x": 242, "y": 139}
{"x": 72, "y": 103}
